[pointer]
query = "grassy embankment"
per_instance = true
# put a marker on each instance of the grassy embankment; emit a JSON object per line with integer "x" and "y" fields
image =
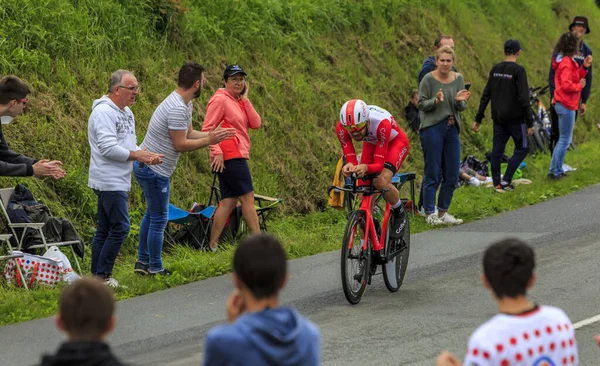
{"x": 304, "y": 58}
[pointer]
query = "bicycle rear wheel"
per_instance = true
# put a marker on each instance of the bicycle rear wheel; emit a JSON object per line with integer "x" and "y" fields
{"x": 546, "y": 137}
{"x": 538, "y": 139}
{"x": 533, "y": 147}
{"x": 356, "y": 261}
{"x": 395, "y": 269}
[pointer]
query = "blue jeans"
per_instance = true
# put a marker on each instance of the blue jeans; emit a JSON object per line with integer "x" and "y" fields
{"x": 441, "y": 150}
{"x": 566, "y": 123}
{"x": 152, "y": 229}
{"x": 111, "y": 231}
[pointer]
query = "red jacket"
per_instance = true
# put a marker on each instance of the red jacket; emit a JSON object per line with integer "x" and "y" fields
{"x": 567, "y": 77}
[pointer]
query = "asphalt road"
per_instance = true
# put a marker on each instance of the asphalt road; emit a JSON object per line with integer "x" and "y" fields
{"x": 440, "y": 304}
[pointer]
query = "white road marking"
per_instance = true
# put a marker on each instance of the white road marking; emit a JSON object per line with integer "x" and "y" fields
{"x": 587, "y": 321}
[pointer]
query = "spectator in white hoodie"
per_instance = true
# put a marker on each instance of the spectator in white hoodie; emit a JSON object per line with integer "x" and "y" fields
{"x": 111, "y": 135}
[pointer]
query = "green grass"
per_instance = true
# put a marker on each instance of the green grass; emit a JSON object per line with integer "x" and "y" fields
{"x": 304, "y": 58}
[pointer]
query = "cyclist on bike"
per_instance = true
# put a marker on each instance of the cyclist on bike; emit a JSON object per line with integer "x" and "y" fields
{"x": 385, "y": 146}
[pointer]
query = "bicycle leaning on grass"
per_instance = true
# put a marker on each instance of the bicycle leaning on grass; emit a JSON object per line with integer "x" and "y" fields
{"x": 540, "y": 140}
{"x": 368, "y": 243}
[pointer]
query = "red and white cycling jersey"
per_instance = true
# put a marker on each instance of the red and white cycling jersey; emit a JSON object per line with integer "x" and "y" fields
{"x": 385, "y": 143}
{"x": 541, "y": 337}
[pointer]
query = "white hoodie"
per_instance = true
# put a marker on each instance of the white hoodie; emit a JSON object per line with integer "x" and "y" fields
{"x": 111, "y": 134}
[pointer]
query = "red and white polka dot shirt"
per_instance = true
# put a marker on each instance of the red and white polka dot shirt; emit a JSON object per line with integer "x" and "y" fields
{"x": 543, "y": 336}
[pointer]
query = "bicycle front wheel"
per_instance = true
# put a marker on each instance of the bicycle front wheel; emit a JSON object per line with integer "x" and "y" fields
{"x": 356, "y": 261}
{"x": 395, "y": 269}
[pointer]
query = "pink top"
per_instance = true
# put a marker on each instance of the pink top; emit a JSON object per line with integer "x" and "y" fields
{"x": 238, "y": 114}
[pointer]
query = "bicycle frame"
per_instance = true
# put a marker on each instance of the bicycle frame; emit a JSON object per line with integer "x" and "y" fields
{"x": 370, "y": 232}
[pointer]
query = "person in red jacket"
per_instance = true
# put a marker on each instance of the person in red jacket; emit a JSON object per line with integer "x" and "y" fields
{"x": 569, "y": 81}
{"x": 231, "y": 106}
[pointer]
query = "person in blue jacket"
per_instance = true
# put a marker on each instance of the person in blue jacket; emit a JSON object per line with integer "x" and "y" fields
{"x": 260, "y": 331}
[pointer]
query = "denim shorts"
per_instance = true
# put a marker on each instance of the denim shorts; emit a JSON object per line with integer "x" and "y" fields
{"x": 235, "y": 180}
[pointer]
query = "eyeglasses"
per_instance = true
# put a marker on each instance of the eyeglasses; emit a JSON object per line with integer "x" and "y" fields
{"x": 130, "y": 88}
{"x": 357, "y": 127}
{"x": 237, "y": 80}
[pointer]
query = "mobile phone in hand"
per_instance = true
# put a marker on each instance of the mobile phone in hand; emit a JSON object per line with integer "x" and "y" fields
{"x": 468, "y": 85}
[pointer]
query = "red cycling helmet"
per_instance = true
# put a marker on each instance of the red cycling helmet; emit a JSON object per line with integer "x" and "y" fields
{"x": 354, "y": 115}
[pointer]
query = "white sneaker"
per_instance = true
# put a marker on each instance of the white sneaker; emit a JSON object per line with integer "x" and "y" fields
{"x": 451, "y": 220}
{"x": 111, "y": 282}
{"x": 434, "y": 219}
{"x": 421, "y": 212}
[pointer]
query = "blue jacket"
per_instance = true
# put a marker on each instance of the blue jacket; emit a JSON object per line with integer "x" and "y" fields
{"x": 584, "y": 51}
{"x": 278, "y": 336}
{"x": 427, "y": 67}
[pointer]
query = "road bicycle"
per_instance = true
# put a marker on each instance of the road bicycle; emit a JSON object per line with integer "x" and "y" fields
{"x": 367, "y": 243}
{"x": 540, "y": 140}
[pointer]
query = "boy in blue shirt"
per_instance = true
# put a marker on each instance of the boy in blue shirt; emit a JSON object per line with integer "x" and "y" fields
{"x": 260, "y": 331}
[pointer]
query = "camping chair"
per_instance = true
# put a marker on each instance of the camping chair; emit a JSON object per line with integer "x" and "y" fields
{"x": 264, "y": 206}
{"x": 5, "y": 238}
{"x": 399, "y": 179}
{"x": 5, "y": 194}
{"x": 194, "y": 227}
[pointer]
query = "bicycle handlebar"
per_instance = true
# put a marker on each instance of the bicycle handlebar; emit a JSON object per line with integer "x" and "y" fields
{"x": 539, "y": 89}
{"x": 359, "y": 189}
{"x": 370, "y": 189}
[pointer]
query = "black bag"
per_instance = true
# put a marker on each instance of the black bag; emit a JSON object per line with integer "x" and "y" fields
{"x": 472, "y": 162}
{"x": 22, "y": 208}
{"x": 56, "y": 230}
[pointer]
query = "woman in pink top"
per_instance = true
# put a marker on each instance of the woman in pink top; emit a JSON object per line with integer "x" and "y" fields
{"x": 231, "y": 106}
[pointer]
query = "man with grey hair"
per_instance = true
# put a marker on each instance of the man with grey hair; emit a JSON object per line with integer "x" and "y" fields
{"x": 111, "y": 135}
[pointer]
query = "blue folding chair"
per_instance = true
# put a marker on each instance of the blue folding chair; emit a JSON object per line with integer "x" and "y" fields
{"x": 193, "y": 227}
{"x": 399, "y": 179}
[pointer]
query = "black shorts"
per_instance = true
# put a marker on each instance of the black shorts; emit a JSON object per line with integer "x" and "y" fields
{"x": 235, "y": 181}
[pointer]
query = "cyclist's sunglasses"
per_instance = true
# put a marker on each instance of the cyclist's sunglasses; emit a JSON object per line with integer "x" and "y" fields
{"x": 357, "y": 127}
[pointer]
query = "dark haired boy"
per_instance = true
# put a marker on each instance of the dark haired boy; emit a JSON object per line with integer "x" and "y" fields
{"x": 13, "y": 100}
{"x": 261, "y": 332}
{"x": 170, "y": 133}
{"x": 86, "y": 315}
{"x": 508, "y": 90}
{"x": 522, "y": 333}
{"x": 411, "y": 111}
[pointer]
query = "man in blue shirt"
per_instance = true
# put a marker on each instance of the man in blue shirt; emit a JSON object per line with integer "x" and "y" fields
{"x": 261, "y": 332}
